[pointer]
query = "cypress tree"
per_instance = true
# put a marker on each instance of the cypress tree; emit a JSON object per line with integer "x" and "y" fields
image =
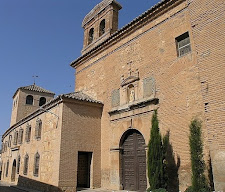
{"x": 155, "y": 156}
{"x": 197, "y": 161}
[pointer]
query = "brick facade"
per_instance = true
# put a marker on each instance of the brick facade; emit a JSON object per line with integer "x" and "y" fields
{"x": 170, "y": 58}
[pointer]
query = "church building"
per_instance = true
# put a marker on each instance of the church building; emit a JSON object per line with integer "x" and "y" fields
{"x": 169, "y": 59}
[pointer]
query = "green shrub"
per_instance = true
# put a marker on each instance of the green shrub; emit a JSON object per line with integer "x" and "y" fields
{"x": 189, "y": 189}
{"x": 155, "y": 156}
{"x": 197, "y": 161}
{"x": 156, "y": 190}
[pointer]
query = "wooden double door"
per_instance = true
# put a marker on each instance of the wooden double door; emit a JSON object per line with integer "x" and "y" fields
{"x": 133, "y": 157}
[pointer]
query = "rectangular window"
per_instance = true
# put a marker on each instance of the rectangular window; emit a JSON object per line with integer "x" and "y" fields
{"x": 183, "y": 44}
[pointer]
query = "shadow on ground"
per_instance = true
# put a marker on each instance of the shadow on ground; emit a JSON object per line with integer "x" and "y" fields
{"x": 8, "y": 189}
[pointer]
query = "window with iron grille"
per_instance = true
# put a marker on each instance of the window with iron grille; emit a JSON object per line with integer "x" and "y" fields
{"x": 28, "y": 133}
{"x": 183, "y": 44}
{"x": 6, "y": 145}
{"x": 20, "y": 140}
{"x": 10, "y": 141}
{"x": 36, "y": 164}
{"x": 18, "y": 165}
{"x": 7, "y": 169}
{"x": 15, "y": 138}
{"x": 26, "y": 161}
{"x": 38, "y": 129}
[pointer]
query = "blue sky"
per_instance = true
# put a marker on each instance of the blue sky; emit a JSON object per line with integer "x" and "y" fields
{"x": 42, "y": 37}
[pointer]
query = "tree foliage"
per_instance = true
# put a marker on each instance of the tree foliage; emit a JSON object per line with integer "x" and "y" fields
{"x": 156, "y": 157}
{"x": 197, "y": 160}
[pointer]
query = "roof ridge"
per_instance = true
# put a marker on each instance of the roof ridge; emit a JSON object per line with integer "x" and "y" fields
{"x": 37, "y": 88}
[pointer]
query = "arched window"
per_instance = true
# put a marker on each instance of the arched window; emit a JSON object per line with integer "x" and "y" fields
{"x": 91, "y": 36}
{"x": 38, "y": 129}
{"x": 15, "y": 138}
{"x": 20, "y": 140}
{"x": 130, "y": 93}
{"x": 36, "y": 164}
{"x": 10, "y": 141}
{"x": 102, "y": 28}
{"x": 18, "y": 166}
{"x": 29, "y": 100}
{"x": 42, "y": 101}
{"x": 6, "y": 145}
{"x": 28, "y": 133}
{"x": 26, "y": 161}
{"x": 7, "y": 169}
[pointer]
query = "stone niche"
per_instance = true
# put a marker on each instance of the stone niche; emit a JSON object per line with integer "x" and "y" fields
{"x": 133, "y": 94}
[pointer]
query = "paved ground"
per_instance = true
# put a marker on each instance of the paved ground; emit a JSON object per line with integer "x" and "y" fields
{"x": 101, "y": 190}
{"x": 5, "y": 187}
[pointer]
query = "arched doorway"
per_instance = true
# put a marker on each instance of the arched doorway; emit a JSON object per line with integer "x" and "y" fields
{"x": 13, "y": 176}
{"x": 133, "y": 161}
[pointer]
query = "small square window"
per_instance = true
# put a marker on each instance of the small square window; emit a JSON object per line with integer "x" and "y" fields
{"x": 183, "y": 44}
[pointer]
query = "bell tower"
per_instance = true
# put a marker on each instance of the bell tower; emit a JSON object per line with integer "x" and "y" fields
{"x": 28, "y": 99}
{"x": 100, "y": 23}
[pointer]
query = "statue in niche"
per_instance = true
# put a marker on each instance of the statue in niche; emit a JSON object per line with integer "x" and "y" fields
{"x": 131, "y": 93}
{"x": 132, "y": 96}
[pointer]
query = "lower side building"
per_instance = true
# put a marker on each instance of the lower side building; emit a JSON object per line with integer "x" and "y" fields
{"x": 56, "y": 147}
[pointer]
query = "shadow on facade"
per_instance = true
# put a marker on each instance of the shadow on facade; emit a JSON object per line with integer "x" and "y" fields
{"x": 172, "y": 167}
{"x": 36, "y": 185}
{"x": 210, "y": 174}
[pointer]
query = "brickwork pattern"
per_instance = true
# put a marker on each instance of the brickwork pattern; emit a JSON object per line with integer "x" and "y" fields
{"x": 152, "y": 50}
{"x": 208, "y": 28}
{"x": 81, "y": 132}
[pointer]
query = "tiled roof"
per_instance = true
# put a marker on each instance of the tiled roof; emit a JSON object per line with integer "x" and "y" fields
{"x": 81, "y": 97}
{"x": 37, "y": 89}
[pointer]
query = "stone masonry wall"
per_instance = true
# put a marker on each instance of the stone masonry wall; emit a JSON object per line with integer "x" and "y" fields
{"x": 48, "y": 147}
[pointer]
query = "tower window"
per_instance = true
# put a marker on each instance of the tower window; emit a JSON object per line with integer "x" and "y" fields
{"x": 36, "y": 164}
{"x": 29, "y": 100}
{"x": 42, "y": 101}
{"x": 26, "y": 161}
{"x": 91, "y": 36}
{"x": 102, "y": 28}
{"x": 183, "y": 44}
